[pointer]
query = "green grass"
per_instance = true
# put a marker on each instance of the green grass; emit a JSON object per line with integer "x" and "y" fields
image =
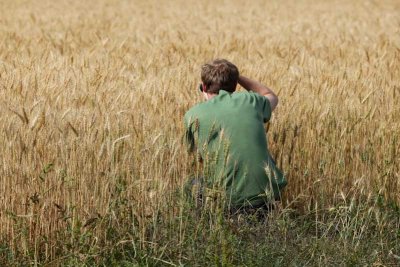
{"x": 354, "y": 235}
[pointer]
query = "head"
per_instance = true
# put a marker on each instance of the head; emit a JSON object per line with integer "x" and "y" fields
{"x": 219, "y": 74}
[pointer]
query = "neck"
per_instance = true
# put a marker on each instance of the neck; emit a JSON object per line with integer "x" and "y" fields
{"x": 208, "y": 96}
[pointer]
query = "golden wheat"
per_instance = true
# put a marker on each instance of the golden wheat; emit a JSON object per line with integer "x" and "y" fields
{"x": 92, "y": 91}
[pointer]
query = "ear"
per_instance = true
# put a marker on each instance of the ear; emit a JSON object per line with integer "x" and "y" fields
{"x": 204, "y": 87}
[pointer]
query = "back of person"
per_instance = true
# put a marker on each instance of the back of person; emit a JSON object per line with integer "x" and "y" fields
{"x": 228, "y": 133}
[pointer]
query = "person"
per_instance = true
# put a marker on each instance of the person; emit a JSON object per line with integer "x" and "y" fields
{"x": 227, "y": 133}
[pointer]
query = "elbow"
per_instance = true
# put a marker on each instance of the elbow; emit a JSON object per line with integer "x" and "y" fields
{"x": 274, "y": 100}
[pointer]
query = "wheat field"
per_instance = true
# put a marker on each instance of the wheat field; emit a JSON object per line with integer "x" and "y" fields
{"x": 93, "y": 93}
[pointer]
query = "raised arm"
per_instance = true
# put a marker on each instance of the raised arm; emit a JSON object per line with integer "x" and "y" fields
{"x": 252, "y": 85}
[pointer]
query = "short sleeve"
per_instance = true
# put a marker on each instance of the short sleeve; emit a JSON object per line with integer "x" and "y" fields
{"x": 264, "y": 107}
{"x": 189, "y": 136}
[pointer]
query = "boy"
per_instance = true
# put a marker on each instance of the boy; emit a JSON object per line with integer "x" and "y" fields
{"x": 227, "y": 131}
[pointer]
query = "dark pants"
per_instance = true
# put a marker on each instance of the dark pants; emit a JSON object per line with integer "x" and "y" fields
{"x": 260, "y": 211}
{"x": 194, "y": 190}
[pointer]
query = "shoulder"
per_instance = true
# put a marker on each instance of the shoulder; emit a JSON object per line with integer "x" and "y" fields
{"x": 196, "y": 109}
{"x": 252, "y": 97}
{"x": 245, "y": 94}
{"x": 194, "y": 112}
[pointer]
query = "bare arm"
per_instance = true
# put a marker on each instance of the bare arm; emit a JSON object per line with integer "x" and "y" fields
{"x": 252, "y": 85}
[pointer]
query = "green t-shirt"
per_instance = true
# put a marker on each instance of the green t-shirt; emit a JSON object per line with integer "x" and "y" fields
{"x": 228, "y": 132}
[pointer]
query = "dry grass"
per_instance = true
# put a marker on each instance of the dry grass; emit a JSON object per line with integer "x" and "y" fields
{"x": 92, "y": 95}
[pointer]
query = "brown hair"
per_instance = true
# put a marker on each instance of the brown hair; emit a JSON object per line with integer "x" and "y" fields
{"x": 219, "y": 74}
